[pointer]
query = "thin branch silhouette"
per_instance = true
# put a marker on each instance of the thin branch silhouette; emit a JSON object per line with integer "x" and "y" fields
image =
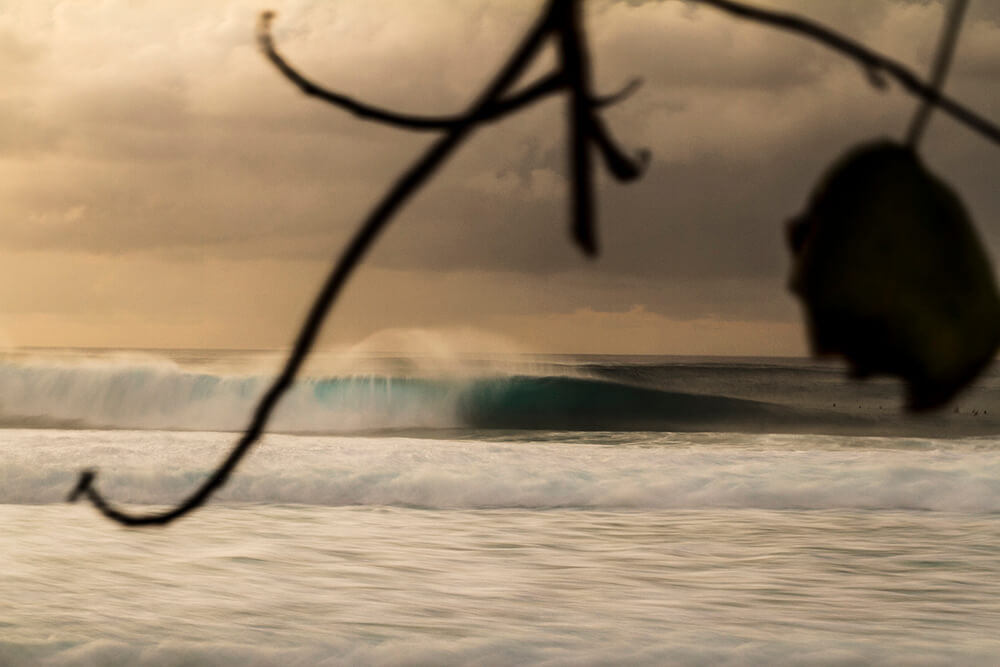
{"x": 543, "y": 87}
{"x": 875, "y": 64}
{"x": 554, "y": 20}
{"x": 942, "y": 60}
{"x": 576, "y": 67}
{"x": 562, "y": 21}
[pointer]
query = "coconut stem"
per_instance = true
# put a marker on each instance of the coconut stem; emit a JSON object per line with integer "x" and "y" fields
{"x": 942, "y": 61}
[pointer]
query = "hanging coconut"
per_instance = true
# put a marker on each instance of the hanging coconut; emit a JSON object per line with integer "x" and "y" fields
{"x": 892, "y": 275}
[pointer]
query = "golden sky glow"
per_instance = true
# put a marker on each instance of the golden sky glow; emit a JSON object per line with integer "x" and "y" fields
{"x": 162, "y": 185}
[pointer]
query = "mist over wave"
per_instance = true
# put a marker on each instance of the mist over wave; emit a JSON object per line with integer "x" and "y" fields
{"x": 500, "y": 392}
{"x": 164, "y": 397}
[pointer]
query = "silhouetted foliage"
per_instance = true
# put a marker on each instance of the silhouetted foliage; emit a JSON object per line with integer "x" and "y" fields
{"x": 834, "y": 330}
{"x": 890, "y": 269}
{"x": 892, "y": 275}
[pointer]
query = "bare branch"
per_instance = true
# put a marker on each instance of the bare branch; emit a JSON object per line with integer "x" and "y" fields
{"x": 573, "y": 75}
{"x": 623, "y": 167}
{"x": 623, "y": 94}
{"x": 873, "y": 62}
{"x": 576, "y": 67}
{"x": 352, "y": 255}
{"x": 543, "y": 87}
{"x": 945, "y": 50}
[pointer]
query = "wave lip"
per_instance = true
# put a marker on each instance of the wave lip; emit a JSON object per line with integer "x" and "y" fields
{"x": 165, "y": 397}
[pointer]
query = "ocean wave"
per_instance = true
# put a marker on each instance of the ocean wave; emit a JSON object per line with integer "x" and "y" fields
{"x": 152, "y": 394}
{"x": 159, "y": 396}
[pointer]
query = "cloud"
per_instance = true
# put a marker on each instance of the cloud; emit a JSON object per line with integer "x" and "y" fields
{"x": 157, "y": 132}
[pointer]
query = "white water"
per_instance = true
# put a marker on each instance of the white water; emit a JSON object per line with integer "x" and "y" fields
{"x": 534, "y": 471}
{"x": 507, "y": 548}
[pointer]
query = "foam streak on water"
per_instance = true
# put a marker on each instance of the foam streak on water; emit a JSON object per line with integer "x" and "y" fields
{"x": 300, "y": 585}
{"x": 507, "y": 548}
{"x": 512, "y": 510}
{"x": 520, "y": 470}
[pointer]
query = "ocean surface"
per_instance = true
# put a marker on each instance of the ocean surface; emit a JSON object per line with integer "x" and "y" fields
{"x": 440, "y": 509}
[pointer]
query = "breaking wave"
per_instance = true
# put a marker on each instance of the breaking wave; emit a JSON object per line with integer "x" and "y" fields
{"x": 167, "y": 397}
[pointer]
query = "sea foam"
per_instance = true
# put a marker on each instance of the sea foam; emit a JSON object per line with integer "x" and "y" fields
{"x": 648, "y": 471}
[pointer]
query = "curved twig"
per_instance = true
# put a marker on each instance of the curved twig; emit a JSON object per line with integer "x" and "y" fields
{"x": 369, "y": 231}
{"x": 623, "y": 167}
{"x": 942, "y": 60}
{"x": 543, "y": 87}
{"x": 873, "y": 62}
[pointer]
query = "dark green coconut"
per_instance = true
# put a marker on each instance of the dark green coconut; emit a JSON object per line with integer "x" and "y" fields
{"x": 893, "y": 276}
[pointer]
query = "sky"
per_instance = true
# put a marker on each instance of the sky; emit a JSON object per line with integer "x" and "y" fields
{"x": 161, "y": 185}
